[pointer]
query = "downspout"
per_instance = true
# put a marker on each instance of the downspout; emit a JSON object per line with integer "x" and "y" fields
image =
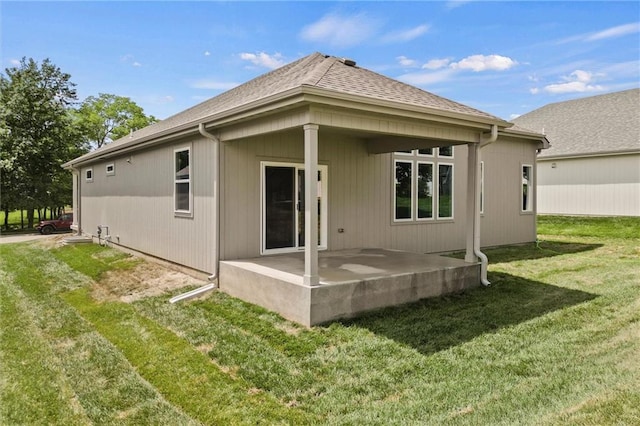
{"x": 216, "y": 223}
{"x": 484, "y": 262}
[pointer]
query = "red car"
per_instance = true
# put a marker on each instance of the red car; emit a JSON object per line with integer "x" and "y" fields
{"x": 62, "y": 223}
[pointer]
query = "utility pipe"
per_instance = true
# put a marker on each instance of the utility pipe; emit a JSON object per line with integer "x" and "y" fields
{"x": 484, "y": 262}
{"x": 216, "y": 223}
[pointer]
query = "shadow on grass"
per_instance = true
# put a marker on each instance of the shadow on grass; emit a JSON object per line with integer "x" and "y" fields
{"x": 432, "y": 325}
{"x": 531, "y": 251}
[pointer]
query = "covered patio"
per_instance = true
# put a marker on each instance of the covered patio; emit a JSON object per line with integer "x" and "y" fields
{"x": 349, "y": 281}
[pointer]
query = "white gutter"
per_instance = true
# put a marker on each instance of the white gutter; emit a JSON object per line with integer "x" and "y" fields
{"x": 484, "y": 262}
{"x": 216, "y": 221}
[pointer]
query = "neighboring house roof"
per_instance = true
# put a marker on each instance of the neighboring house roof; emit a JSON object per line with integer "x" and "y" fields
{"x": 603, "y": 124}
{"x": 324, "y": 74}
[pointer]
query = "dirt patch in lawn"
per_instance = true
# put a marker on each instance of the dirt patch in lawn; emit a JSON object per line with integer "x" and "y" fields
{"x": 146, "y": 279}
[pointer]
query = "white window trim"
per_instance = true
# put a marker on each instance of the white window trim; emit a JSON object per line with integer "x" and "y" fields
{"x": 393, "y": 189}
{"x": 453, "y": 190}
{"x": 433, "y": 194}
{"x": 433, "y": 153}
{"x": 182, "y": 213}
{"x": 324, "y": 210}
{"x": 86, "y": 178}
{"x": 111, "y": 172}
{"x": 453, "y": 150}
{"x": 530, "y": 189}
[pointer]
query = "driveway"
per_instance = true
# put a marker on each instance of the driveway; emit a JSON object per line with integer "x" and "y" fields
{"x": 8, "y": 239}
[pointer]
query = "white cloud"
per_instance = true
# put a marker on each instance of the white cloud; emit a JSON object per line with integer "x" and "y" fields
{"x": 435, "y": 64}
{"x": 425, "y": 78}
{"x": 452, "y": 4}
{"x": 406, "y": 62}
{"x": 618, "y": 31}
{"x": 578, "y": 81}
{"x": 479, "y": 63}
{"x": 340, "y": 31}
{"x": 14, "y": 62}
{"x": 207, "y": 53}
{"x": 130, "y": 59}
{"x": 534, "y": 90}
{"x": 406, "y": 35}
{"x": 212, "y": 84}
{"x": 263, "y": 59}
{"x": 514, "y": 116}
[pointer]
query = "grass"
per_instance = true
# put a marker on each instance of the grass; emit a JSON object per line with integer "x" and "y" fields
{"x": 555, "y": 340}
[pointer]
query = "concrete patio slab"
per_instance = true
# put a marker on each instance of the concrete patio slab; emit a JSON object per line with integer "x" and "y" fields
{"x": 351, "y": 281}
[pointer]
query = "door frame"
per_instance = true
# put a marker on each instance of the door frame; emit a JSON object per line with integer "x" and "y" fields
{"x": 324, "y": 210}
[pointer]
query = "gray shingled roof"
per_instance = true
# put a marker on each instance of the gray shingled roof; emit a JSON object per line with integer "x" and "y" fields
{"x": 316, "y": 70}
{"x": 598, "y": 124}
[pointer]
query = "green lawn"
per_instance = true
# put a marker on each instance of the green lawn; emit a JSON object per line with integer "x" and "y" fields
{"x": 555, "y": 340}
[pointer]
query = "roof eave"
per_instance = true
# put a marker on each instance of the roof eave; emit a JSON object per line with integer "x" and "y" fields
{"x": 296, "y": 96}
{"x": 549, "y": 157}
{"x": 331, "y": 97}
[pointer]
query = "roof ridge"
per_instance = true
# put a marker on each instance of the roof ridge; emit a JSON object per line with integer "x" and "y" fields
{"x": 320, "y": 70}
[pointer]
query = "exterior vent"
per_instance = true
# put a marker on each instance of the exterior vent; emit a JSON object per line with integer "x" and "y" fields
{"x": 348, "y": 62}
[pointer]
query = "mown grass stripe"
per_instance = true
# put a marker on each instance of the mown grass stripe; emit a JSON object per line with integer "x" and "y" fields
{"x": 186, "y": 377}
{"x": 104, "y": 384}
{"x": 33, "y": 387}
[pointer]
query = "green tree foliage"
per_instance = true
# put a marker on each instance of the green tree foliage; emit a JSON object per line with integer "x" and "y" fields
{"x": 36, "y": 136}
{"x": 107, "y": 117}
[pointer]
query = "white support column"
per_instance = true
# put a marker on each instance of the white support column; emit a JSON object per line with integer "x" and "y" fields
{"x": 472, "y": 200}
{"x": 311, "y": 277}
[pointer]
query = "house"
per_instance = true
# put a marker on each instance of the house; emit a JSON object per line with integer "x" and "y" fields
{"x": 593, "y": 165}
{"x": 317, "y": 189}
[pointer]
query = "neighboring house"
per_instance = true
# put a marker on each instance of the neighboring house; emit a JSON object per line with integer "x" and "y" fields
{"x": 593, "y": 165}
{"x": 227, "y": 187}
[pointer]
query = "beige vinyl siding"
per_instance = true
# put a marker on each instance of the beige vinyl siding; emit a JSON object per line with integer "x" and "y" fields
{"x": 360, "y": 196}
{"x": 503, "y": 221}
{"x": 138, "y": 206}
{"x": 599, "y": 186}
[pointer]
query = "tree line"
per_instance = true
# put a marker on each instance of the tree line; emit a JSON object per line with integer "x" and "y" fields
{"x": 42, "y": 126}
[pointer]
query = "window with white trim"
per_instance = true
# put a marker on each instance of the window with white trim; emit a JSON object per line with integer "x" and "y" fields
{"x": 88, "y": 175}
{"x": 527, "y": 188}
{"x": 403, "y": 190}
{"x": 422, "y": 189}
{"x": 182, "y": 181}
{"x": 445, "y": 191}
{"x": 111, "y": 169}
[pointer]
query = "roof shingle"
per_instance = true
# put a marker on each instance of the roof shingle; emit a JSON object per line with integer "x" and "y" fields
{"x": 598, "y": 124}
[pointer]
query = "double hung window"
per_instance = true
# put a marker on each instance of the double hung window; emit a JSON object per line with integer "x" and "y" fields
{"x": 182, "y": 194}
{"x": 527, "y": 188}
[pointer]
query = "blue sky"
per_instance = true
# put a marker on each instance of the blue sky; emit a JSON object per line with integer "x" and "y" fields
{"x": 505, "y": 58}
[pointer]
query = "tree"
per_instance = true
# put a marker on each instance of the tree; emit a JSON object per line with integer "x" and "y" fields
{"x": 36, "y": 134}
{"x": 109, "y": 117}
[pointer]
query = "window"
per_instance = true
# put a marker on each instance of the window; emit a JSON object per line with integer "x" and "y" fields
{"x": 527, "y": 188}
{"x": 425, "y": 191}
{"x": 403, "y": 190}
{"x": 445, "y": 151}
{"x": 88, "y": 175}
{"x": 422, "y": 190}
{"x": 111, "y": 169}
{"x": 445, "y": 191}
{"x": 182, "y": 181}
